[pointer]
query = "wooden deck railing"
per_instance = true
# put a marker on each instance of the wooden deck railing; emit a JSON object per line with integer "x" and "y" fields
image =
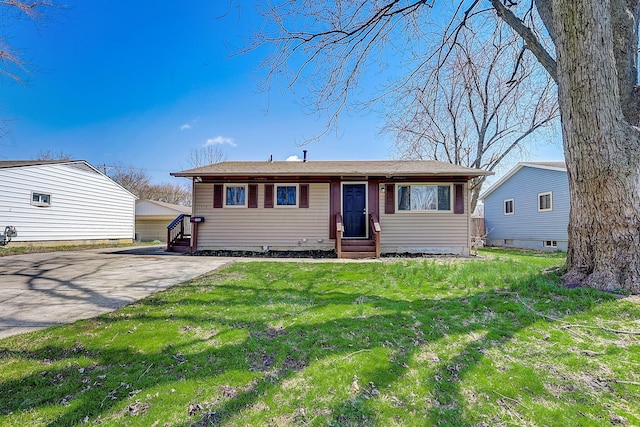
{"x": 374, "y": 229}
{"x": 339, "y": 231}
{"x": 176, "y": 230}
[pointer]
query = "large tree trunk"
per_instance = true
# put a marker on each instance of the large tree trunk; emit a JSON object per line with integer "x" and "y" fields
{"x": 596, "y": 42}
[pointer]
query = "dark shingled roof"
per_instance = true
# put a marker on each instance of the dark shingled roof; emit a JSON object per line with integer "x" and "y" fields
{"x": 19, "y": 163}
{"x": 386, "y": 168}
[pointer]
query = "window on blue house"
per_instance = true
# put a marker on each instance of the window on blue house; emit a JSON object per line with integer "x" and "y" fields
{"x": 508, "y": 207}
{"x": 545, "y": 202}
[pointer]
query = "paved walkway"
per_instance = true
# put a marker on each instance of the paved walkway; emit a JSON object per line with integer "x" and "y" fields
{"x": 45, "y": 289}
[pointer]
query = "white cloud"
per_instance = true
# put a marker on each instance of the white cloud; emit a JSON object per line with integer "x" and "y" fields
{"x": 293, "y": 159}
{"x": 220, "y": 140}
{"x": 185, "y": 126}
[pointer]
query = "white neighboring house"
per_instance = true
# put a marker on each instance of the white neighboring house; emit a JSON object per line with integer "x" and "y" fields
{"x": 153, "y": 217}
{"x": 64, "y": 202}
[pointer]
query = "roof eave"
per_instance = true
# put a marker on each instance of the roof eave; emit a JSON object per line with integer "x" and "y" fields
{"x": 337, "y": 174}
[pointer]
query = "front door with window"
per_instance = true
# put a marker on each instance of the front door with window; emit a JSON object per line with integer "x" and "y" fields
{"x": 354, "y": 210}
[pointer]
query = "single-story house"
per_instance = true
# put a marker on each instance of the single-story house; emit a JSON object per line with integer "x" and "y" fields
{"x": 529, "y": 207}
{"x": 355, "y": 208}
{"x": 153, "y": 217}
{"x": 64, "y": 202}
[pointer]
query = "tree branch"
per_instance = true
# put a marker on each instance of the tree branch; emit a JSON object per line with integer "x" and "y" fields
{"x": 532, "y": 42}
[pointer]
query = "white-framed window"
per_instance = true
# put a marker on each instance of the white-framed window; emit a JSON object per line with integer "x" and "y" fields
{"x": 509, "y": 206}
{"x": 424, "y": 197}
{"x": 545, "y": 202}
{"x": 235, "y": 196}
{"x": 40, "y": 199}
{"x": 287, "y": 195}
{"x": 550, "y": 243}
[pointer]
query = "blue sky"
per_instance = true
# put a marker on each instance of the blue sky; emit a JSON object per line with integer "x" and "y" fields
{"x": 121, "y": 82}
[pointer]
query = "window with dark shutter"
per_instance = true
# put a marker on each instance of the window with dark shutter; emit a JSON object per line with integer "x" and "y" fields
{"x": 217, "y": 195}
{"x": 389, "y": 199}
{"x": 458, "y": 206}
{"x": 268, "y": 195}
{"x": 253, "y": 196}
{"x": 304, "y": 196}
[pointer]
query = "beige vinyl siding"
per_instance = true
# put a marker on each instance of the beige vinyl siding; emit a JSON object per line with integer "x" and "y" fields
{"x": 280, "y": 228}
{"x": 425, "y": 232}
{"x": 148, "y": 230}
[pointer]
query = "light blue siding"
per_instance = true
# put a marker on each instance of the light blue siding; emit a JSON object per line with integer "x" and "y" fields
{"x": 527, "y": 227}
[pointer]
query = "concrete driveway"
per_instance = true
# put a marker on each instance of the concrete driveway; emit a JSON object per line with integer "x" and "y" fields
{"x": 45, "y": 289}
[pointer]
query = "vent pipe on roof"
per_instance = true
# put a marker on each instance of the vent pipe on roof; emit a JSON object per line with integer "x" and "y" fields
{"x": 304, "y": 156}
{"x": 271, "y": 158}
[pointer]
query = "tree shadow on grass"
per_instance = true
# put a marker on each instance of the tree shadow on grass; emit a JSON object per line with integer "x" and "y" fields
{"x": 280, "y": 333}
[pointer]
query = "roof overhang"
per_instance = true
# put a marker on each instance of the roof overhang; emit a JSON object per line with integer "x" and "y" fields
{"x": 318, "y": 170}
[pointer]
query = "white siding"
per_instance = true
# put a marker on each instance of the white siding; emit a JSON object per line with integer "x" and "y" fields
{"x": 146, "y": 207}
{"x": 425, "y": 232}
{"x": 253, "y": 228}
{"x": 85, "y": 205}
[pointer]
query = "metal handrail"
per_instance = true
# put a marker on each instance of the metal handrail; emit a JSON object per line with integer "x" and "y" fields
{"x": 173, "y": 232}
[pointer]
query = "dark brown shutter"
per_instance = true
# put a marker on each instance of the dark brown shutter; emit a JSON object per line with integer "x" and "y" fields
{"x": 268, "y": 195}
{"x": 217, "y": 195}
{"x": 253, "y": 196}
{"x": 304, "y": 196}
{"x": 374, "y": 197}
{"x": 458, "y": 204}
{"x": 390, "y": 199}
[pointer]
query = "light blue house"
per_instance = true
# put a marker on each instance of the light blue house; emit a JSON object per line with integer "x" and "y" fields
{"x": 529, "y": 207}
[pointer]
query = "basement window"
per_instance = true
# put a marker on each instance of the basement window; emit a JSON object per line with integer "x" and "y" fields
{"x": 550, "y": 243}
{"x": 41, "y": 199}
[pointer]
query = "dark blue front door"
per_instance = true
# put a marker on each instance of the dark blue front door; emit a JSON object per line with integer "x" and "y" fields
{"x": 354, "y": 210}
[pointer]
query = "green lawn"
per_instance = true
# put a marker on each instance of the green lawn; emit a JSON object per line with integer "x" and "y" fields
{"x": 487, "y": 342}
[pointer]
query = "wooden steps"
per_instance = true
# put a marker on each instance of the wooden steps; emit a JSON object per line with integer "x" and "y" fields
{"x": 181, "y": 245}
{"x": 355, "y": 249}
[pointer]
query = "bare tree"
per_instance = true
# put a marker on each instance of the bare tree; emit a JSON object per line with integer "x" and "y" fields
{"x": 138, "y": 182}
{"x": 591, "y": 52}
{"x": 206, "y": 155}
{"x": 11, "y": 63}
{"x": 50, "y": 155}
{"x": 134, "y": 179}
{"x": 479, "y": 106}
{"x": 169, "y": 193}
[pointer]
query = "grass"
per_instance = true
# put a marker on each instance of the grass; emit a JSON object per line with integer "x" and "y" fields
{"x": 493, "y": 342}
{"x": 16, "y": 249}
